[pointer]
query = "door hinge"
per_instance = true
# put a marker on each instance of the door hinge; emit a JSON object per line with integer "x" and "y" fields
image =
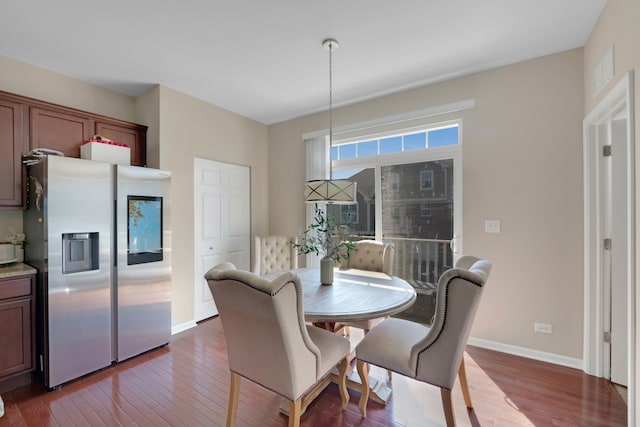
{"x": 607, "y": 244}
{"x": 606, "y": 150}
{"x": 607, "y": 337}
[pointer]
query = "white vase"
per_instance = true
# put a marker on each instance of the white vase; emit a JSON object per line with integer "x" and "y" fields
{"x": 326, "y": 271}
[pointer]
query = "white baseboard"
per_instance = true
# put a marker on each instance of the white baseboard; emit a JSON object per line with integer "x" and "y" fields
{"x": 183, "y": 327}
{"x": 542, "y": 356}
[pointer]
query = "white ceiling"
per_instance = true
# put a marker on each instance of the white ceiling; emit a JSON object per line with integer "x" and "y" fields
{"x": 265, "y": 60}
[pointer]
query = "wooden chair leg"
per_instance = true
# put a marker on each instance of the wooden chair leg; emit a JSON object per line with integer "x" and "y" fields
{"x": 462, "y": 374}
{"x": 294, "y": 413}
{"x": 234, "y": 394}
{"x": 448, "y": 407}
{"x": 363, "y": 371}
{"x": 342, "y": 382}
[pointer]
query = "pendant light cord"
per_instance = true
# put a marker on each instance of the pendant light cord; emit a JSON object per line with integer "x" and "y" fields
{"x": 331, "y": 45}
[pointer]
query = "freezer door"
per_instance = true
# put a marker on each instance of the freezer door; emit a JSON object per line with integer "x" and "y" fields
{"x": 78, "y": 201}
{"x": 143, "y": 267}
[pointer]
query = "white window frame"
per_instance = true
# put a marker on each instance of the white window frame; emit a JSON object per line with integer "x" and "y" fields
{"x": 453, "y": 152}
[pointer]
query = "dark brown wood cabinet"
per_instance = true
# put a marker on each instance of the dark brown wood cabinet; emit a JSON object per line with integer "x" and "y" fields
{"x": 12, "y": 143}
{"x": 26, "y": 124}
{"x": 17, "y": 358}
{"x": 59, "y": 131}
{"x": 135, "y": 136}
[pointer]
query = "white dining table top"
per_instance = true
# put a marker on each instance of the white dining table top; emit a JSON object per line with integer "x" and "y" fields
{"x": 354, "y": 295}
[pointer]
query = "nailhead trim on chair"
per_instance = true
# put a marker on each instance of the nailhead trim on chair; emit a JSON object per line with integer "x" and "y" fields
{"x": 444, "y": 321}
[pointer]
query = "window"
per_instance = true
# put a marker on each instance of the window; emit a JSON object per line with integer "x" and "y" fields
{"x": 349, "y": 214}
{"x": 437, "y": 136}
{"x": 426, "y": 180}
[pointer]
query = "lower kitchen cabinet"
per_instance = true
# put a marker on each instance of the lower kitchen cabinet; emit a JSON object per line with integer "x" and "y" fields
{"x": 17, "y": 334}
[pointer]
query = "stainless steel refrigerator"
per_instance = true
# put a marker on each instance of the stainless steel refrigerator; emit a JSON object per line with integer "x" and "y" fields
{"x": 99, "y": 237}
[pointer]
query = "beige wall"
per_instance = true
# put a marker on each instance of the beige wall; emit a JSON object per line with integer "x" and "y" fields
{"x": 192, "y": 128}
{"x": 147, "y": 108}
{"x": 618, "y": 26}
{"x": 180, "y": 128}
{"x": 522, "y": 163}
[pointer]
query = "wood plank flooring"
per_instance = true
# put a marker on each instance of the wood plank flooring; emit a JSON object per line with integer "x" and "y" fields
{"x": 186, "y": 384}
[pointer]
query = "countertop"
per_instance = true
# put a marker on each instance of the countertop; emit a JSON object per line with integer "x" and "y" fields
{"x": 16, "y": 269}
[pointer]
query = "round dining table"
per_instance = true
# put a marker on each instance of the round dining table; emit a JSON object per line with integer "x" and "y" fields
{"x": 355, "y": 295}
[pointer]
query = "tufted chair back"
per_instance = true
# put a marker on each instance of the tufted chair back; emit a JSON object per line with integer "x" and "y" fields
{"x": 273, "y": 254}
{"x": 268, "y": 341}
{"x": 371, "y": 255}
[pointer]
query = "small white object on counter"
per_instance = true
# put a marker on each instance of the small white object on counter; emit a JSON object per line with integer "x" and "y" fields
{"x": 106, "y": 153}
{"x": 7, "y": 251}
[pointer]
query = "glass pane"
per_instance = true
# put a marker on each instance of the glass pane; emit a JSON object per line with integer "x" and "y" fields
{"x": 334, "y": 152}
{"x": 347, "y": 151}
{"x": 442, "y": 137}
{"x": 417, "y": 216}
{"x": 415, "y": 141}
{"x": 391, "y": 145}
{"x": 361, "y": 216}
{"x": 368, "y": 148}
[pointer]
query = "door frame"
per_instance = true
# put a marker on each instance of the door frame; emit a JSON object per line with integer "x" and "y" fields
{"x": 618, "y": 100}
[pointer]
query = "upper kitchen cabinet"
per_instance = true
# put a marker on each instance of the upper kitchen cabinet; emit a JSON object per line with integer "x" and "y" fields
{"x": 135, "y": 136}
{"x": 59, "y": 131}
{"x": 27, "y": 123}
{"x": 12, "y": 140}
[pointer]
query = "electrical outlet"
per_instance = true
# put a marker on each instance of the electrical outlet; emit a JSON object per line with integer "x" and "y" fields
{"x": 543, "y": 328}
{"x": 492, "y": 226}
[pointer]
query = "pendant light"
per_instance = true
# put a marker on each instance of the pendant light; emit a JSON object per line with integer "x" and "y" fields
{"x": 339, "y": 191}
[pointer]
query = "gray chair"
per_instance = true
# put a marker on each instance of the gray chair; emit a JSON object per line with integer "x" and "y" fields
{"x": 268, "y": 341}
{"x": 273, "y": 254}
{"x": 430, "y": 354}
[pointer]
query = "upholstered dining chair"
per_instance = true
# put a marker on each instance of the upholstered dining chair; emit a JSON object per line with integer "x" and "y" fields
{"x": 268, "y": 341}
{"x": 370, "y": 255}
{"x": 272, "y": 254}
{"x": 430, "y": 354}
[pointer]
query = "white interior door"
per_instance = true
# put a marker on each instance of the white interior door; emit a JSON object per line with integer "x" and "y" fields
{"x": 609, "y": 267}
{"x": 222, "y": 224}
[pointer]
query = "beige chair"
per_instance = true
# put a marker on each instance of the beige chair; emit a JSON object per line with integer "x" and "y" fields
{"x": 268, "y": 341}
{"x": 370, "y": 255}
{"x": 430, "y": 354}
{"x": 272, "y": 254}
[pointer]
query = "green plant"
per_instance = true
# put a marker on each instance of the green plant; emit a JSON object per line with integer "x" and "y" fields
{"x": 326, "y": 237}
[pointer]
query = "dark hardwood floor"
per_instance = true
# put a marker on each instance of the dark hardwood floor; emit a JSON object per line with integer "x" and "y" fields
{"x": 186, "y": 384}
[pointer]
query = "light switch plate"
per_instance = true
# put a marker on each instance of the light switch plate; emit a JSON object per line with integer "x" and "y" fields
{"x": 492, "y": 226}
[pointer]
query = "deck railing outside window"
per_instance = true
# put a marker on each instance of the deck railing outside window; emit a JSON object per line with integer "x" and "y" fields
{"x": 421, "y": 261}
